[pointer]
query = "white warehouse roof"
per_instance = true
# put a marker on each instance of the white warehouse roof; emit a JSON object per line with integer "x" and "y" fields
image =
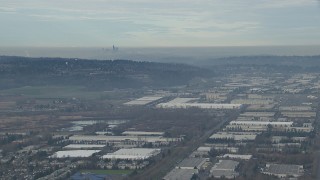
{"x": 144, "y": 100}
{"x": 83, "y": 146}
{"x": 260, "y": 123}
{"x": 74, "y": 153}
{"x": 133, "y": 154}
{"x": 237, "y": 156}
{"x": 199, "y": 105}
{"x": 236, "y": 137}
{"x": 120, "y": 138}
{"x": 182, "y": 100}
{"x": 142, "y": 133}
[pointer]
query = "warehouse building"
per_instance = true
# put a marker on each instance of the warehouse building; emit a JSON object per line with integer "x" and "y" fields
{"x": 216, "y": 96}
{"x": 74, "y": 153}
{"x": 223, "y": 147}
{"x": 199, "y": 105}
{"x": 236, "y": 137}
{"x": 259, "y": 123}
{"x": 181, "y": 174}
{"x": 202, "y": 151}
{"x": 253, "y": 118}
{"x": 297, "y": 114}
{"x": 258, "y": 114}
{"x": 252, "y": 101}
{"x": 143, "y": 101}
{"x": 132, "y": 154}
{"x": 262, "y": 107}
{"x": 295, "y": 108}
{"x": 258, "y": 96}
{"x": 129, "y": 140}
{"x": 236, "y": 156}
{"x": 84, "y": 146}
{"x": 225, "y": 168}
{"x": 142, "y": 133}
{"x": 192, "y": 163}
{"x": 283, "y": 170}
{"x": 259, "y": 126}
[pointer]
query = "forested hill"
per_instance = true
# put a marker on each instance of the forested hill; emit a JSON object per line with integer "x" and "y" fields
{"x": 94, "y": 74}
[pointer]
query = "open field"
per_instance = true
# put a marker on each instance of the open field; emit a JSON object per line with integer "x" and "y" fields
{"x": 53, "y": 92}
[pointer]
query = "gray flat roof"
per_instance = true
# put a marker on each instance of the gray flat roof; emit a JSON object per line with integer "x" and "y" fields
{"x": 192, "y": 162}
{"x": 225, "y": 173}
{"x": 283, "y": 169}
{"x": 180, "y": 174}
{"x": 225, "y": 165}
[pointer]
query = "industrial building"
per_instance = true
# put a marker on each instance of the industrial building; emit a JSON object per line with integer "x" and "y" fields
{"x": 199, "y": 105}
{"x": 262, "y": 107}
{"x": 216, "y": 96}
{"x": 258, "y": 114}
{"x": 143, "y": 101}
{"x": 225, "y": 168}
{"x": 258, "y": 96}
{"x": 180, "y": 174}
{"x": 254, "y": 118}
{"x": 283, "y": 170}
{"x": 132, "y": 154}
{"x": 74, "y": 153}
{"x": 142, "y": 133}
{"x": 192, "y": 163}
{"x": 223, "y": 147}
{"x": 202, "y": 151}
{"x": 252, "y": 101}
{"x": 295, "y": 108}
{"x": 130, "y": 140}
{"x": 236, "y": 156}
{"x": 84, "y": 146}
{"x": 259, "y": 123}
{"x": 259, "y": 126}
{"x": 299, "y": 114}
{"x": 183, "y": 100}
{"x": 232, "y": 136}
{"x": 192, "y": 103}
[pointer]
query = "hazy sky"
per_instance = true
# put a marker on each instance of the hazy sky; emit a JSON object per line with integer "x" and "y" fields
{"x": 139, "y": 23}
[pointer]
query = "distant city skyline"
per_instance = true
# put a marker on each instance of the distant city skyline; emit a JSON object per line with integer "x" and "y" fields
{"x": 165, "y": 23}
